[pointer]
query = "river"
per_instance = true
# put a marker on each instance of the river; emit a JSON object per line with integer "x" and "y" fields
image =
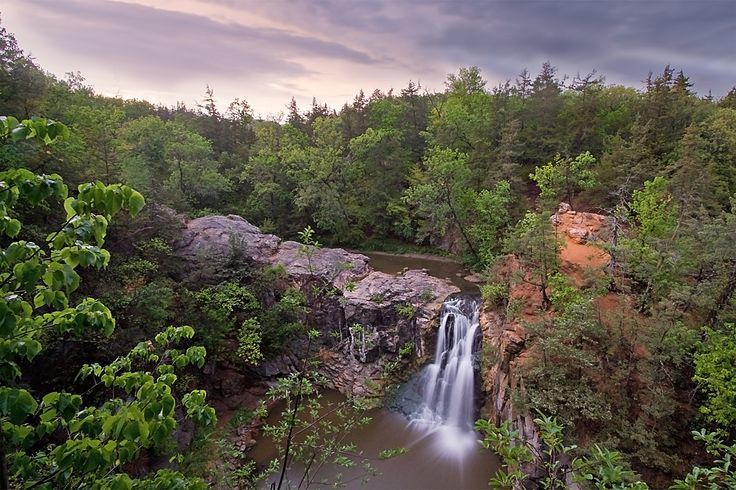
{"x": 442, "y": 267}
{"x": 432, "y": 413}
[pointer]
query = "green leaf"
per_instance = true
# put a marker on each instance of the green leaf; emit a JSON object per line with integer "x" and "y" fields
{"x": 17, "y": 404}
{"x": 12, "y": 228}
{"x": 136, "y": 203}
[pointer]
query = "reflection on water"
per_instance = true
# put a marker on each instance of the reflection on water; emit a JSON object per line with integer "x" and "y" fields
{"x": 438, "y": 457}
{"x": 441, "y": 267}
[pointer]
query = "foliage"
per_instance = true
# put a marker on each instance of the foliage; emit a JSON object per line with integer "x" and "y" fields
{"x": 535, "y": 243}
{"x": 721, "y": 474}
{"x": 655, "y": 254}
{"x": 406, "y": 310}
{"x": 558, "y": 465}
{"x": 221, "y": 306}
{"x": 316, "y": 429}
{"x": 596, "y": 468}
{"x": 450, "y": 170}
{"x": 441, "y": 201}
{"x": 37, "y": 286}
{"x": 715, "y": 372}
{"x": 249, "y": 342}
{"x": 562, "y": 177}
{"x": 495, "y": 292}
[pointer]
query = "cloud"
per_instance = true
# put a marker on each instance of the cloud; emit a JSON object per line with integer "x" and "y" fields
{"x": 622, "y": 39}
{"x": 271, "y": 50}
{"x": 163, "y": 46}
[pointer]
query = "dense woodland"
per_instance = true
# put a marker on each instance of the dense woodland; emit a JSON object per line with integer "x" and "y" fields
{"x": 474, "y": 171}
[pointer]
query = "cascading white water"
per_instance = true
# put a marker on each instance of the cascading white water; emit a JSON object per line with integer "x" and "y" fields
{"x": 440, "y": 400}
{"x": 450, "y": 380}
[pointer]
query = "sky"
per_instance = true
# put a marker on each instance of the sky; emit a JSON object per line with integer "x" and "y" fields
{"x": 268, "y": 51}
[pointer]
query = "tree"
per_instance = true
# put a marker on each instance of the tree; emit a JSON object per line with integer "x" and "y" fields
{"x": 656, "y": 254}
{"x": 540, "y": 119}
{"x": 715, "y": 372}
{"x": 561, "y": 465}
{"x": 464, "y": 122}
{"x": 60, "y": 441}
{"x": 171, "y": 163}
{"x": 269, "y": 175}
{"x": 562, "y": 177}
{"x": 581, "y": 113}
{"x": 98, "y": 127}
{"x": 716, "y": 263}
{"x": 491, "y": 218}
{"x": 534, "y": 242}
{"x": 239, "y": 122}
{"x": 440, "y": 197}
{"x": 383, "y": 161}
{"x": 23, "y": 84}
{"x": 564, "y": 350}
{"x": 326, "y": 181}
{"x": 703, "y": 176}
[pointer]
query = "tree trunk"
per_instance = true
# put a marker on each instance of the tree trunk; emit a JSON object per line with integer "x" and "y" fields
{"x": 459, "y": 225}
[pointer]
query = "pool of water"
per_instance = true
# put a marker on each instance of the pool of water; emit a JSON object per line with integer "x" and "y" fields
{"x": 442, "y": 267}
{"x": 437, "y": 457}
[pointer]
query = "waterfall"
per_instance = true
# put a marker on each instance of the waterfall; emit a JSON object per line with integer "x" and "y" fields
{"x": 449, "y": 382}
{"x": 439, "y": 401}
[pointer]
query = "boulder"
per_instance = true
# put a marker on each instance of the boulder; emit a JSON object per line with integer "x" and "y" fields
{"x": 224, "y": 235}
{"x": 564, "y": 208}
{"x": 394, "y": 310}
{"x": 334, "y": 265}
{"x": 212, "y": 244}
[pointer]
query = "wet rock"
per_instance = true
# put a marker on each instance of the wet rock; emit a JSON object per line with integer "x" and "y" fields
{"x": 474, "y": 278}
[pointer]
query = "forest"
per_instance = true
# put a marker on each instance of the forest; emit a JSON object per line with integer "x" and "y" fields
{"x": 108, "y": 344}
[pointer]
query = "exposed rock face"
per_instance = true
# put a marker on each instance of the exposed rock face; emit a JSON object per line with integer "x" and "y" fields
{"x": 383, "y": 315}
{"x": 211, "y": 243}
{"x": 363, "y": 330}
{"x": 580, "y": 231}
{"x": 220, "y": 235}
{"x": 387, "y": 299}
{"x": 505, "y": 339}
{"x": 331, "y": 264}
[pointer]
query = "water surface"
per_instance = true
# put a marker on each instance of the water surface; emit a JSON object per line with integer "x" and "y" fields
{"x": 442, "y": 267}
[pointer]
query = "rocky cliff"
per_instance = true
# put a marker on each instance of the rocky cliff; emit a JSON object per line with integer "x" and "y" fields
{"x": 505, "y": 341}
{"x": 371, "y": 324}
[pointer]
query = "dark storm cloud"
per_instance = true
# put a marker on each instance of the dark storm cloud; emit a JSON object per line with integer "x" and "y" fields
{"x": 163, "y": 45}
{"x": 622, "y": 39}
